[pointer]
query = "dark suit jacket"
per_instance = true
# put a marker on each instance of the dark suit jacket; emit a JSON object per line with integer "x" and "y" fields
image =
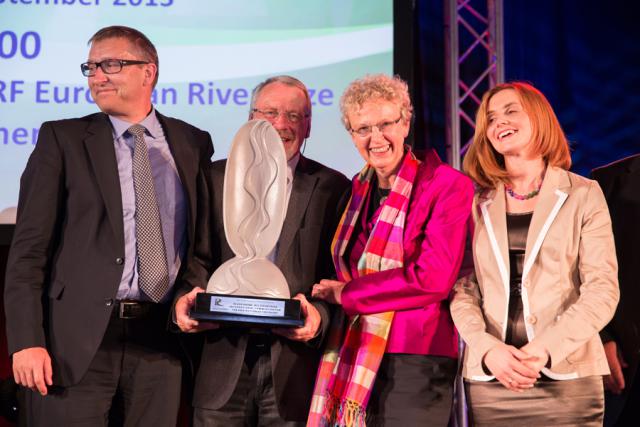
{"x": 66, "y": 258}
{"x": 317, "y": 197}
{"x": 620, "y": 182}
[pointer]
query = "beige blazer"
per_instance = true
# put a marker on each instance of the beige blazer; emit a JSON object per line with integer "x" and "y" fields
{"x": 570, "y": 281}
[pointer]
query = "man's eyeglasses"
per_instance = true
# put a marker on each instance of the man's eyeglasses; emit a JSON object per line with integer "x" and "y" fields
{"x": 365, "y": 131}
{"x": 291, "y": 116}
{"x": 109, "y": 66}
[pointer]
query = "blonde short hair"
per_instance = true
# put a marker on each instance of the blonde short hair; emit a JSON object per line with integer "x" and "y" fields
{"x": 372, "y": 87}
{"x": 486, "y": 166}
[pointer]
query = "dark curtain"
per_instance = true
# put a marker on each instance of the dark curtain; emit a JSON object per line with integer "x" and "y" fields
{"x": 583, "y": 55}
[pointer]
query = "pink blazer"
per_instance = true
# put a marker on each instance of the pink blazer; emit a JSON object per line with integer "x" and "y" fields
{"x": 438, "y": 220}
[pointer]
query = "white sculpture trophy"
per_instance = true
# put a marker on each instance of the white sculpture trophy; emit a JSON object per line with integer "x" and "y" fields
{"x": 249, "y": 288}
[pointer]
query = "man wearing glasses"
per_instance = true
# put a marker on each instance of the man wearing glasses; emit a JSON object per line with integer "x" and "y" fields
{"x": 106, "y": 217}
{"x": 248, "y": 377}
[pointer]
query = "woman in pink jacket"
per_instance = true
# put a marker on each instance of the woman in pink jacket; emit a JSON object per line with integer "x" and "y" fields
{"x": 397, "y": 252}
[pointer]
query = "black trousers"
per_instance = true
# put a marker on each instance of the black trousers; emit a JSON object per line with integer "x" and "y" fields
{"x": 412, "y": 390}
{"x": 623, "y": 410}
{"x": 133, "y": 380}
{"x": 253, "y": 402}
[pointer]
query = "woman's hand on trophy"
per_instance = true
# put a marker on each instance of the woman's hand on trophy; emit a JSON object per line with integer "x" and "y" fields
{"x": 311, "y": 325}
{"x": 329, "y": 291}
{"x": 182, "y": 308}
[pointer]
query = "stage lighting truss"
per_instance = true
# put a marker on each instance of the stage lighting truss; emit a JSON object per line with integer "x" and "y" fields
{"x": 475, "y": 63}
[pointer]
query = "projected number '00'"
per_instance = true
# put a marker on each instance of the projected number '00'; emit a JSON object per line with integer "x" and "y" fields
{"x": 26, "y": 45}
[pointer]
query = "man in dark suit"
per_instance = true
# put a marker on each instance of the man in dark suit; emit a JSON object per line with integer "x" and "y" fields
{"x": 253, "y": 377}
{"x": 620, "y": 182}
{"x": 106, "y": 215}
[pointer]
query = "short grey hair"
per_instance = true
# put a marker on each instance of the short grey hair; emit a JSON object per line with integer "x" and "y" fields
{"x": 372, "y": 87}
{"x": 284, "y": 79}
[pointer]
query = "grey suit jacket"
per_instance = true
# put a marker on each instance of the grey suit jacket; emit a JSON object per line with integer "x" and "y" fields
{"x": 66, "y": 258}
{"x": 317, "y": 197}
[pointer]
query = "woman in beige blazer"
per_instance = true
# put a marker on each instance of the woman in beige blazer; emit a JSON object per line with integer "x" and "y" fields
{"x": 545, "y": 279}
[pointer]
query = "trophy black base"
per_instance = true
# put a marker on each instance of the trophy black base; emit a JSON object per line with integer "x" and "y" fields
{"x": 247, "y": 310}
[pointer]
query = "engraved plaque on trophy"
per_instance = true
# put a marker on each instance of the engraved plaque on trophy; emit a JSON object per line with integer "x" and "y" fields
{"x": 249, "y": 289}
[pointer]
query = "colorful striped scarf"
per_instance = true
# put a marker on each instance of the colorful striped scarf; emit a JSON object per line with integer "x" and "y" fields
{"x": 347, "y": 372}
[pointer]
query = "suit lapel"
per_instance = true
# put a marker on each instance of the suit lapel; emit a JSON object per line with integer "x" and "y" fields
{"x": 99, "y": 145}
{"x": 186, "y": 163}
{"x": 632, "y": 179}
{"x": 552, "y": 196}
{"x": 634, "y": 165}
{"x": 303, "y": 186}
{"x": 495, "y": 219}
{"x": 493, "y": 213}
